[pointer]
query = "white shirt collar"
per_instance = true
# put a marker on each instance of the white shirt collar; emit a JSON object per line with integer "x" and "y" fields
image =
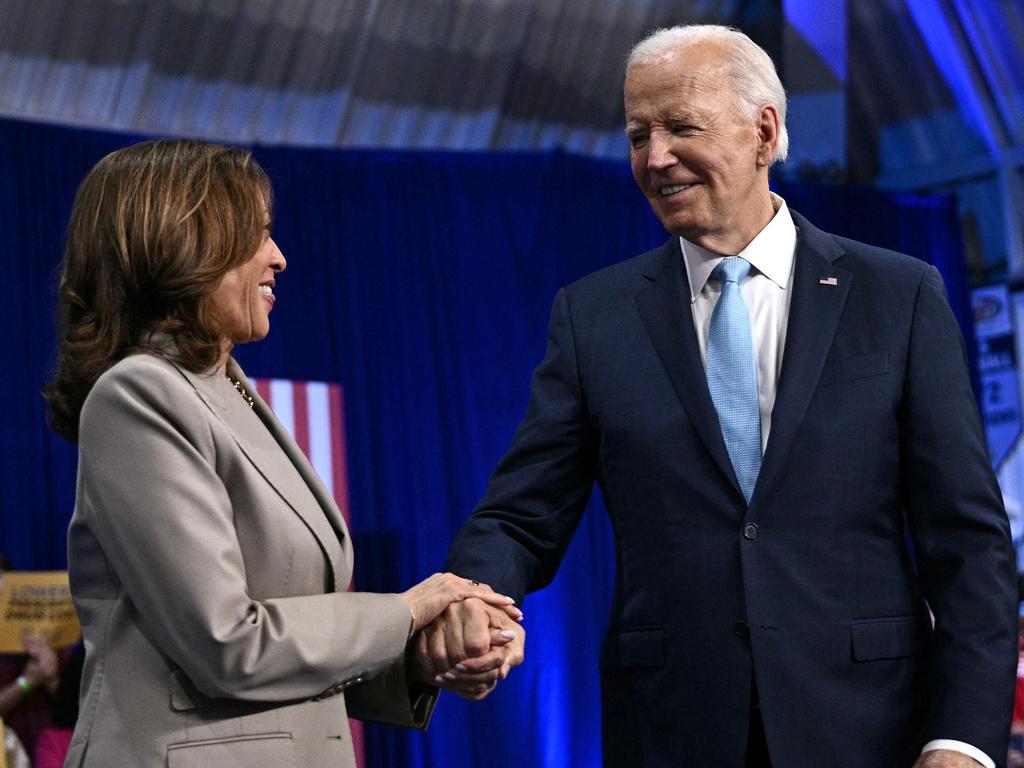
{"x": 771, "y": 252}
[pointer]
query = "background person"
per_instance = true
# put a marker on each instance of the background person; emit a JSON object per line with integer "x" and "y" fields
{"x": 51, "y": 747}
{"x": 27, "y": 683}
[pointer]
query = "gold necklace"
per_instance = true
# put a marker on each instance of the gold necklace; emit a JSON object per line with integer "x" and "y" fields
{"x": 241, "y": 390}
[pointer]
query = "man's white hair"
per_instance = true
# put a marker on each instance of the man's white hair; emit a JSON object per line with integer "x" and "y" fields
{"x": 751, "y": 70}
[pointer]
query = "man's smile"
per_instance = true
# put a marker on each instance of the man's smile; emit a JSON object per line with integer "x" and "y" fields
{"x": 673, "y": 189}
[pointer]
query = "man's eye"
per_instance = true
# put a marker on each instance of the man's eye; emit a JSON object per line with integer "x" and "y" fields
{"x": 637, "y": 140}
{"x": 683, "y": 129}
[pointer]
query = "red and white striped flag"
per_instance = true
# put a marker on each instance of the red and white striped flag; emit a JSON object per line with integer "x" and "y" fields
{"x": 314, "y": 413}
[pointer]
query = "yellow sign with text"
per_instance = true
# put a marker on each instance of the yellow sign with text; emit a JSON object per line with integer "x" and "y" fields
{"x": 36, "y": 603}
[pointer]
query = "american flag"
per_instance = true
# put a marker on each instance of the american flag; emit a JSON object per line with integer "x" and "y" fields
{"x": 314, "y": 413}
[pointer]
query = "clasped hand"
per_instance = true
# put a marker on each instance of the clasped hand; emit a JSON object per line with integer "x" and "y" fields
{"x": 467, "y": 637}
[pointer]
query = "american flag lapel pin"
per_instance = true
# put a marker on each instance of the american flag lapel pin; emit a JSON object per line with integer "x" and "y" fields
{"x": 828, "y": 281}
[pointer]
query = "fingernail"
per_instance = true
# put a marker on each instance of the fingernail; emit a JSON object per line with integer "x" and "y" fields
{"x": 449, "y": 675}
{"x": 507, "y": 634}
{"x": 461, "y": 667}
{"x": 438, "y": 679}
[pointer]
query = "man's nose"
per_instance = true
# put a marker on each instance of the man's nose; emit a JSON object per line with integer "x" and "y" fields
{"x": 659, "y": 151}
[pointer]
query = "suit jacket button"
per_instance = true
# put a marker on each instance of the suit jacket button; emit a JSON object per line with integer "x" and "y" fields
{"x": 750, "y": 531}
{"x": 741, "y": 629}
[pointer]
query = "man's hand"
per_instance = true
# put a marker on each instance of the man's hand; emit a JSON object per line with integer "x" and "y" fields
{"x": 945, "y": 758}
{"x": 470, "y": 647}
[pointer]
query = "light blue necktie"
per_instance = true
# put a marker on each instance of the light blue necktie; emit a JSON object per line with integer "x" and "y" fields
{"x": 732, "y": 374}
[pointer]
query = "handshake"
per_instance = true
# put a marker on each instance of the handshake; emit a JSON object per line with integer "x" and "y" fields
{"x": 465, "y": 636}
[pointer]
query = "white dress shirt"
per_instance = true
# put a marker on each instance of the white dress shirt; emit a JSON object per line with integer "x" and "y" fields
{"x": 767, "y": 293}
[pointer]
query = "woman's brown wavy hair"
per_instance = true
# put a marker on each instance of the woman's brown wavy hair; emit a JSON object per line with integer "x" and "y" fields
{"x": 153, "y": 229}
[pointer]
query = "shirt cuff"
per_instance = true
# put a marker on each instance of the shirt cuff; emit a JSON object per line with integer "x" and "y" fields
{"x": 962, "y": 747}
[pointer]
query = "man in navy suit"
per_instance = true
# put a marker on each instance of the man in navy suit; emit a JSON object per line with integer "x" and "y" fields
{"x": 768, "y": 609}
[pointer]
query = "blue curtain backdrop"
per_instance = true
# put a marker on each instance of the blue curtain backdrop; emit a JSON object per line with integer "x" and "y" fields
{"x": 422, "y": 282}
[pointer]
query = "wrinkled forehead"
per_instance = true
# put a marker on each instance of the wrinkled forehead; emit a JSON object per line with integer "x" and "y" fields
{"x": 700, "y": 68}
{"x": 679, "y": 85}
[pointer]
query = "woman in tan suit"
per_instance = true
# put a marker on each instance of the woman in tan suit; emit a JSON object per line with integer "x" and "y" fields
{"x": 207, "y": 561}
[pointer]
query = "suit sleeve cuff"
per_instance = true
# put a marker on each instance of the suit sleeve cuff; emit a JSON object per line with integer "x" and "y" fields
{"x": 962, "y": 747}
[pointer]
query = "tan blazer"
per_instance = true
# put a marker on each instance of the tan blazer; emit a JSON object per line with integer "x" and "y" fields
{"x": 208, "y": 566}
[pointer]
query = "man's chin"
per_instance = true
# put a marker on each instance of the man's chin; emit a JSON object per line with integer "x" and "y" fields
{"x": 685, "y": 227}
{"x": 678, "y": 222}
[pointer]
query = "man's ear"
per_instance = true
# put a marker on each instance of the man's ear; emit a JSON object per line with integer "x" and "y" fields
{"x": 768, "y": 129}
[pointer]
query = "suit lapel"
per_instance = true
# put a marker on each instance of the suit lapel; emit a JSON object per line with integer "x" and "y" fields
{"x": 294, "y": 453}
{"x": 664, "y": 308}
{"x": 819, "y": 290}
{"x": 326, "y": 523}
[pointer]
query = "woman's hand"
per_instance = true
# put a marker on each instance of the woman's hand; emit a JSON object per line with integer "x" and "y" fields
{"x": 469, "y": 648}
{"x": 431, "y": 597}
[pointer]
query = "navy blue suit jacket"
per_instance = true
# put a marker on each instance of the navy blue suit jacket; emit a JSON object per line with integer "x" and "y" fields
{"x": 812, "y": 588}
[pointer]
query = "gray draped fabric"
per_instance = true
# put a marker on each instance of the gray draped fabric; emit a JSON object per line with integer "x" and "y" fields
{"x": 463, "y": 74}
{"x": 508, "y": 74}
